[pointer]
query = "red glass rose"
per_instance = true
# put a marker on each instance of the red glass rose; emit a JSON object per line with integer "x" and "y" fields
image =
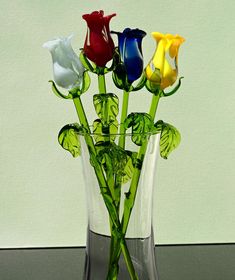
{"x": 98, "y": 46}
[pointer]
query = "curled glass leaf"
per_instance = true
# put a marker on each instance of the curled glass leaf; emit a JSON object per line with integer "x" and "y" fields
{"x": 152, "y": 87}
{"x": 141, "y": 124}
{"x": 58, "y": 93}
{"x": 120, "y": 77}
{"x": 106, "y": 107}
{"x": 85, "y": 62}
{"x": 100, "y": 130}
{"x": 121, "y": 81}
{"x": 164, "y": 94}
{"x": 141, "y": 83}
{"x": 86, "y": 82}
{"x": 170, "y": 138}
{"x": 69, "y": 140}
{"x": 115, "y": 61}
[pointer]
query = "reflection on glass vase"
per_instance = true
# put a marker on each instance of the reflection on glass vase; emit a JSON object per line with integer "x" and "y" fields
{"x": 119, "y": 187}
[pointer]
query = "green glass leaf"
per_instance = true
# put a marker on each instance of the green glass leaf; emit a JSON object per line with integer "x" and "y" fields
{"x": 115, "y": 160}
{"x": 170, "y": 138}
{"x": 78, "y": 91}
{"x": 152, "y": 87}
{"x": 106, "y": 106}
{"x": 129, "y": 167}
{"x": 164, "y": 94}
{"x": 141, "y": 83}
{"x": 85, "y": 82}
{"x": 69, "y": 140}
{"x": 141, "y": 124}
{"x": 58, "y": 93}
{"x": 100, "y": 129}
{"x": 85, "y": 62}
{"x": 120, "y": 77}
{"x": 115, "y": 61}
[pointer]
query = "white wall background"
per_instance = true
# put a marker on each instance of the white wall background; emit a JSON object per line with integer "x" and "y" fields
{"x": 42, "y": 194}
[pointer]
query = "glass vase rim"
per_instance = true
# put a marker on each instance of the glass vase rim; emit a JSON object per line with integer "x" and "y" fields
{"x": 91, "y": 133}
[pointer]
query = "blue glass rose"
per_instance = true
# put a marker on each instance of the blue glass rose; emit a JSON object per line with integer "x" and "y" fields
{"x": 130, "y": 49}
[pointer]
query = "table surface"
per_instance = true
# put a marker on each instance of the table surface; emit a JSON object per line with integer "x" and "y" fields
{"x": 174, "y": 262}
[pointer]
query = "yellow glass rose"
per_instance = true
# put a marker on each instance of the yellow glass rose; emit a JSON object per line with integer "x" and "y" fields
{"x": 162, "y": 70}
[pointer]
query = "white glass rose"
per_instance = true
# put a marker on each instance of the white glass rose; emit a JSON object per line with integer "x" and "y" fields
{"x": 67, "y": 67}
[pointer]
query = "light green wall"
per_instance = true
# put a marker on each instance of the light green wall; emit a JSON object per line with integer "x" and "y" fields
{"x": 42, "y": 197}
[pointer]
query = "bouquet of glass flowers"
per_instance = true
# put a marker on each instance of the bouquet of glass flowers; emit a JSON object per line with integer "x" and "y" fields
{"x": 113, "y": 164}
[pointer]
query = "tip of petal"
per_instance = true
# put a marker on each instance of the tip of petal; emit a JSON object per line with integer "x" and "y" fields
{"x": 157, "y": 35}
{"x": 112, "y": 15}
{"x": 137, "y": 33}
{"x": 178, "y": 38}
{"x": 69, "y": 38}
{"x": 97, "y": 15}
{"x": 50, "y": 45}
{"x": 93, "y": 15}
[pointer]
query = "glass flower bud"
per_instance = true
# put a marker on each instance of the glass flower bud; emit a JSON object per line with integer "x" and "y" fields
{"x": 163, "y": 67}
{"x": 130, "y": 49}
{"x": 67, "y": 67}
{"x": 98, "y": 46}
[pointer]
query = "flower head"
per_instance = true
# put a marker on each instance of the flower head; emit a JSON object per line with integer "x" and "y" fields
{"x": 130, "y": 49}
{"x": 67, "y": 67}
{"x": 163, "y": 67}
{"x": 98, "y": 46}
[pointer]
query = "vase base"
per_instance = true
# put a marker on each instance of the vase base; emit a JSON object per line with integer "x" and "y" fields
{"x": 97, "y": 258}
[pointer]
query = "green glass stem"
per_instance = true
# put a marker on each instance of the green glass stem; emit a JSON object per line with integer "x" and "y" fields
{"x": 130, "y": 198}
{"x": 110, "y": 178}
{"x": 154, "y": 105}
{"x": 113, "y": 269}
{"x": 101, "y": 83}
{"x": 121, "y": 143}
{"x": 105, "y": 191}
{"x": 125, "y": 102}
{"x": 113, "y": 263}
{"x": 102, "y": 90}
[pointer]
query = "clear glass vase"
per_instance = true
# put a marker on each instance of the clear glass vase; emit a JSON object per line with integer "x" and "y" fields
{"x": 120, "y": 177}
